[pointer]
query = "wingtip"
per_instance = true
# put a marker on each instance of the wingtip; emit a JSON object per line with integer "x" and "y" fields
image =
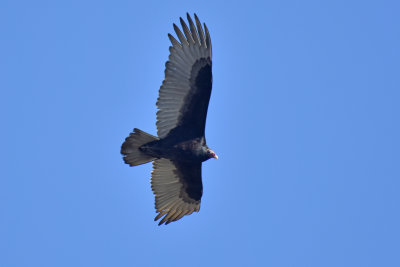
{"x": 159, "y": 223}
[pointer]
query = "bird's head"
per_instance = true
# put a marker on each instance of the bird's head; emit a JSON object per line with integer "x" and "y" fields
{"x": 211, "y": 154}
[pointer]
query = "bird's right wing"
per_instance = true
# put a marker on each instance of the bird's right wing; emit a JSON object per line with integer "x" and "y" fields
{"x": 177, "y": 187}
{"x": 185, "y": 92}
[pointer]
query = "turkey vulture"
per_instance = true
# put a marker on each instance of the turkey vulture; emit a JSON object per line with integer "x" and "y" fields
{"x": 180, "y": 148}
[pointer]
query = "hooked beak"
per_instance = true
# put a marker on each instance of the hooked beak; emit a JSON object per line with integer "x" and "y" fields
{"x": 213, "y": 154}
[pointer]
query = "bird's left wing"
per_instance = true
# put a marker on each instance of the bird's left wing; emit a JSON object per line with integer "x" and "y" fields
{"x": 177, "y": 187}
{"x": 185, "y": 92}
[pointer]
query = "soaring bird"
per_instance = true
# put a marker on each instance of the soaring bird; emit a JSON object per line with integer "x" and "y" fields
{"x": 180, "y": 148}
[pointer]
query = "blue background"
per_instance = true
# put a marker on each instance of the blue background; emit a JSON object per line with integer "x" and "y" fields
{"x": 304, "y": 116}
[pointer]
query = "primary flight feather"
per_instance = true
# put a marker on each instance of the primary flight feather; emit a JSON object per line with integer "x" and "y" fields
{"x": 180, "y": 148}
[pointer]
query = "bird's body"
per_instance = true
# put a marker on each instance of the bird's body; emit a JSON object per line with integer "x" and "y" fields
{"x": 191, "y": 150}
{"x": 180, "y": 148}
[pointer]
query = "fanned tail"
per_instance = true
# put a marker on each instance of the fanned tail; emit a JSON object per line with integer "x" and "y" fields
{"x": 130, "y": 148}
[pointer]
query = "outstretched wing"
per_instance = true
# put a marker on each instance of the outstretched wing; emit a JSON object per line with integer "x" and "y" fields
{"x": 185, "y": 92}
{"x": 177, "y": 188}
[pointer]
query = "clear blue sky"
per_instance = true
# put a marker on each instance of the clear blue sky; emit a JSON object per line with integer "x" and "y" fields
{"x": 304, "y": 116}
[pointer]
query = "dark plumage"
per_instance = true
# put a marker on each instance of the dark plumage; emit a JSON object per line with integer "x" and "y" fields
{"x": 180, "y": 148}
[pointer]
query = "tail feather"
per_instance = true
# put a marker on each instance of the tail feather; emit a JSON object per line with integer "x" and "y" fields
{"x": 130, "y": 148}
